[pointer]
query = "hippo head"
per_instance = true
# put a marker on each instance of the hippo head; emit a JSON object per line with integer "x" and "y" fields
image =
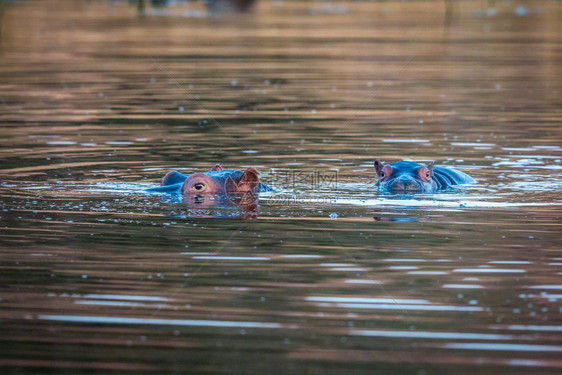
{"x": 405, "y": 177}
{"x": 235, "y": 185}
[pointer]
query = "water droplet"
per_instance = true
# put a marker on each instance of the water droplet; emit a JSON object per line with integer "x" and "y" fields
{"x": 521, "y": 11}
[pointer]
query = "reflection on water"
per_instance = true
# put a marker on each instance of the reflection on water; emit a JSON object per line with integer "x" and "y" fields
{"x": 98, "y": 102}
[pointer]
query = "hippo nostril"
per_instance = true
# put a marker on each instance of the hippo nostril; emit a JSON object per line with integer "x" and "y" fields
{"x": 199, "y": 186}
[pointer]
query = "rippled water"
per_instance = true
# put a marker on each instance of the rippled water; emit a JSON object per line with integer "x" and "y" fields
{"x": 98, "y": 102}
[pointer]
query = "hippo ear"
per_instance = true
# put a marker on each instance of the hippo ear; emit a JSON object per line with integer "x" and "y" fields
{"x": 379, "y": 165}
{"x": 430, "y": 167}
{"x": 216, "y": 168}
{"x": 249, "y": 179}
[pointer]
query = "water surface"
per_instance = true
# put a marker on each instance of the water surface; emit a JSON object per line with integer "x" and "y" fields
{"x": 98, "y": 102}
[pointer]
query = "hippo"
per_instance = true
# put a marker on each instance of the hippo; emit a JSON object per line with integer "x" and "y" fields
{"x": 226, "y": 184}
{"x": 408, "y": 177}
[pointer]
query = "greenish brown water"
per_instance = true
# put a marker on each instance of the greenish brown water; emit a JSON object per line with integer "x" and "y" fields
{"x": 98, "y": 102}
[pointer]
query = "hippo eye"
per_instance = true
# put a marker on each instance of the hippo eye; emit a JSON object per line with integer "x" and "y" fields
{"x": 198, "y": 186}
{"x": 385, "y": 173}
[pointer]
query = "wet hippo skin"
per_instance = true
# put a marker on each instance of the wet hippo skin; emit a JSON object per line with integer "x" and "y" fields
{"x": 216, "y": 182}
{"x": 408, "y": 177}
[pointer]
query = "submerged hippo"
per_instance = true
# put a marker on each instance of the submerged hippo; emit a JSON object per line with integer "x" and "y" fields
{"x": 232, "y": 184}
{"x": 408, "y": 177}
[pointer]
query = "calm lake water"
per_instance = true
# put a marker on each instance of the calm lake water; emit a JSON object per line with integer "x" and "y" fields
{"x": 98, "y": 102}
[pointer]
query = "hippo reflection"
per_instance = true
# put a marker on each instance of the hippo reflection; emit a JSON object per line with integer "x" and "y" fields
{"x": 228, "y": 6}
{"x": 408, "y": 177}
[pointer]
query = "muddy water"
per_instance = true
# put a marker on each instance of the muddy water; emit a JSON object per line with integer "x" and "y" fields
{"x": 97, "y": 102}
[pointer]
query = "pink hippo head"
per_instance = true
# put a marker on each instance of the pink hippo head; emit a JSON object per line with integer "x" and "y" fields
{"x": 239, "y": 187}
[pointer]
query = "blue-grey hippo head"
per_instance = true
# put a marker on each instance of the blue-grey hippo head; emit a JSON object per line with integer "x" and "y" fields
{"x": 408, "y": 177}
{"x": 405, "y": 177}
